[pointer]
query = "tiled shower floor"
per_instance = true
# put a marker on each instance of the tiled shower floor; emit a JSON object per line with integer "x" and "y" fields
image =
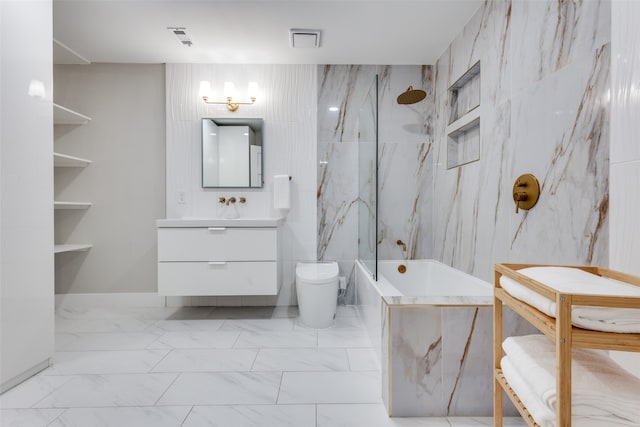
{"x": 227, "y": 367}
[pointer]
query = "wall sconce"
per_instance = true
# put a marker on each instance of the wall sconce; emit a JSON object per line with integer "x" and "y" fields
{"x": 229, "y": 92}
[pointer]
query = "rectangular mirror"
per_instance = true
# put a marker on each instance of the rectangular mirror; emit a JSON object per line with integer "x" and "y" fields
{"x": 231, "y": 153}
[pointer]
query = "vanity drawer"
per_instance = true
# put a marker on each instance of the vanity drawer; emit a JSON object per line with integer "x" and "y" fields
{"x": 217, "y": 278}
{"x": 217, "y": 244}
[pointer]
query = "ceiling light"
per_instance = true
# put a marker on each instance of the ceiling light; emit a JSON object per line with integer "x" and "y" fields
{"x": 334, "y": 109}
{"x": 181, "y": 35}
{"x": 304, "y": 38}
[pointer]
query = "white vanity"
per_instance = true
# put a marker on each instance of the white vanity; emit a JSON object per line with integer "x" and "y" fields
{"x": 201, "y": 256}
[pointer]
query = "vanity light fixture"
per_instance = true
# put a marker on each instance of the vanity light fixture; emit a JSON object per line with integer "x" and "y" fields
{"x": 229, "y": 92}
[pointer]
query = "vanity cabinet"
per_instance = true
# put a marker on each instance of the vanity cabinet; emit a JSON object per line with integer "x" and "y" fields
{"x": 217, "y": 260}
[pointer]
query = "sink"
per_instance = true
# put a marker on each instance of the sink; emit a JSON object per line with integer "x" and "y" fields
{"x": 219, "y": 222}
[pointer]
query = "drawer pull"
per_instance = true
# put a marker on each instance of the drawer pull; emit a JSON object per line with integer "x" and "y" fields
{"x": 217, "y": 263}
{"x": 217, "y": 228}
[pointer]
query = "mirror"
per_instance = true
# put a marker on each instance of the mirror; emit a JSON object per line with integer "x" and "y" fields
{"x": 231, "y": 153}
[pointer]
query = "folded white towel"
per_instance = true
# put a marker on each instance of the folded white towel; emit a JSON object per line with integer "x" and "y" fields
{"x": 573, "y": 280}
{"x": 540, "y": 412}
{"x": 600, "y": 387}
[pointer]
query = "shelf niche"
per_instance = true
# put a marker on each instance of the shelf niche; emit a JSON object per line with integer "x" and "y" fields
{"x": 463, "y": 131}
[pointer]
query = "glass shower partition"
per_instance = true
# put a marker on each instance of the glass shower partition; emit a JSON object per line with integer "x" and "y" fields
{"x": 368, "y": 180}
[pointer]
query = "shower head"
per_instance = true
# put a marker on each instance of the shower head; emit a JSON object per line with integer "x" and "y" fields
{"x": 411, "y": 96}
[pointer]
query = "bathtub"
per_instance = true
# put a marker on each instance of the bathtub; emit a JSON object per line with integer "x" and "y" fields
{"x": 431, "y": 328}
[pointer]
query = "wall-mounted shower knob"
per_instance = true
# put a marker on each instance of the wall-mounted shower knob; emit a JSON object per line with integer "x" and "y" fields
{"x": 221, "y": 200}
{"x": 526, "y": 191}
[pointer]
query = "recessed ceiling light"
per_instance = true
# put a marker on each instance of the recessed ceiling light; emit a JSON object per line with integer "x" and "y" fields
{"x": 181, "y": 35}
{"x": 333, "y": 109}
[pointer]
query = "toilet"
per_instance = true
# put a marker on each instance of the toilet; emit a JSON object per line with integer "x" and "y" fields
{"x": 317, "y": 289}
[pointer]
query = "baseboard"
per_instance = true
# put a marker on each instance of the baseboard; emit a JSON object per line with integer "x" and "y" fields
{"x": 23, "y": 376}
{"x": 121, "y": 299}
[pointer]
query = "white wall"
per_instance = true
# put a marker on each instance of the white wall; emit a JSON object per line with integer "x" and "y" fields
{"x": 126, "y": 181}
{"x": 287, "y": 102}
{"x": 624, "y": 204}
{"x": 26, "y": 192}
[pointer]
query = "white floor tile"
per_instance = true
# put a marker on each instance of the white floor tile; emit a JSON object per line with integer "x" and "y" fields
{"x": 104, "y": 341}
{"x": 28, "y": 417}
{"x": 207, "y": 360}
{"x": 258, "y": 325}
{"x": 330, "y": 387}
{"x": 301, "y": 359}
{"x": 289, "y": 339}
{"x": 196, "y": 339}
{"x": 343, "y": 338}
{"x": 150, "y": 416}
{"x": 206, "y": 325}
{"x": 252, "y": 416}
{"x": 88, "y": 391}
{"x": 104, "y": 362}
{"x": 363, "y": 359}
{"x": 30, "y": 392}
{"x": 342, "y": 322}
{"x": 369, "y": 416}
{"x": 484, "y": 422}
{"x": 237, "y": 388}
{"x": 253, "y": 312}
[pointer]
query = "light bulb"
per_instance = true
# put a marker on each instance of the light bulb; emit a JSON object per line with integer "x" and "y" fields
{"x": 229, "y": 90}
{"x": 205, "y": 89}
{"x": 253, "y": 90}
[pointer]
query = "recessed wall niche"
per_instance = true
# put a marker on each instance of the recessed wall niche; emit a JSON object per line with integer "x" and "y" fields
{"x": 463, "y": 131}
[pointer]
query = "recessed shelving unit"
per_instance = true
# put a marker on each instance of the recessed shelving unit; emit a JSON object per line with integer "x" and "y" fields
{"x": 63, "y": 54}
{"x": 71, "y": 205}
{"x": 58, "y": 249}
{"x": 463, "y": 131}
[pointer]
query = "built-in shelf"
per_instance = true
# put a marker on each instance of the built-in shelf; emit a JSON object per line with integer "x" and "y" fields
{"x": 65, "y": 116}
{"x": 57, "y": 249}
{"x": 63, "y": 54}
{"x": 65, "y": 161}
{"x": 71, "y": 205}
{"x": 463, "y": 131}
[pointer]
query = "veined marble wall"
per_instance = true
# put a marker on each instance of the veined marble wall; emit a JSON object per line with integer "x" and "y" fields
{"x": 287, "y": 103}
{"x": 404, "y": 162}
{"x": 544, "y": 110}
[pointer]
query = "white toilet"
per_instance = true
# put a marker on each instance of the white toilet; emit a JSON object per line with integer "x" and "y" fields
{"x": 317, "y": 289}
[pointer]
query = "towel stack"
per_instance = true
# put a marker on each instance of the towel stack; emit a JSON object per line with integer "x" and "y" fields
{"x": 604, "y": 394}
{"x": 576, "y": 281}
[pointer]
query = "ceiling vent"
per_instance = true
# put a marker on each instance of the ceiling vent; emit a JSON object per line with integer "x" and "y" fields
{"x": 304, "y": 38}
{"x": 181, "y": 35}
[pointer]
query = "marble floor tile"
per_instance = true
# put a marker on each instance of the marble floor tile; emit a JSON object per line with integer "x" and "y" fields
{"x": 363, "y": 359}
{"x": 301, "y": 359}
{"x": 370, "y": 415}
{"x": 147, "y": 416}
{"x": 343, "y": 338}
{"x": 207, "y": 360}
{"x": 196, "y": 339}
{"x": 330, "y": 387}
{"x": 226, "y": 388}
{"x": 288, "y": 339}
{"x": 484, "y": 422}
{"x": 31, "y": 391}
{"x": 341, "y": 322}
{"x": 88, "y": 391}
{"x": 252, "y": 416}
{"x": 104, "y": 362}
{"x": 28, "y": 417}
{"x": 272, "y": 312}
{"x": 258, "y": 325}
{"x": 207, "y": 325}
{"x": 103, "y": 341}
